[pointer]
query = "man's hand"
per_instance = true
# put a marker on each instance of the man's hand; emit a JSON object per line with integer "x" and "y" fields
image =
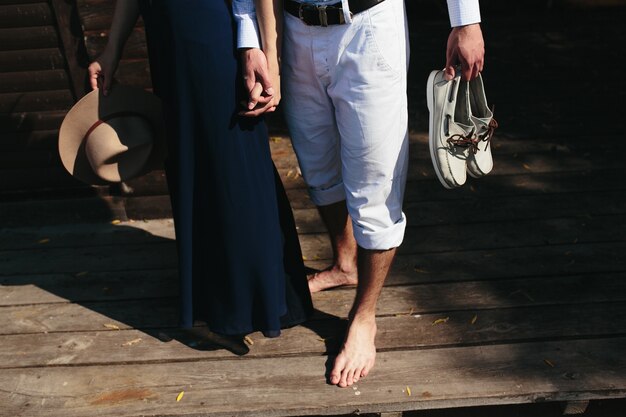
{"x": 466, "y": 47}
{"x": 263, "y": 97}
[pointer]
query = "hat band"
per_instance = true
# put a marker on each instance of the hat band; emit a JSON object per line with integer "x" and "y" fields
{"x": 125, "y": 113}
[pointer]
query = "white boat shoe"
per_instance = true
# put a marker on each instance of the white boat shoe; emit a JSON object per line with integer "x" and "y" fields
{"x": 480, "y": 161}
{"x": 451, "y": 132}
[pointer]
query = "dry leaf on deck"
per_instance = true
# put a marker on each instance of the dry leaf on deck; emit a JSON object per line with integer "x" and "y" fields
{"x": 111, "y": 326}
{"x": 526, "y": 167}
{"x": 409, "y": 313}
{"x": 549, "y": 363}
{"x": 474, "y": 318}
{"x": 132, "y": 342}
{"x": 180, "y": 396}
{"x": 408, "y": 391}
{"x": 442, "y": 320}
{"x": 45, "y": 240}
{"x": 116, "y": 221}
{"x": 248, "y": 340}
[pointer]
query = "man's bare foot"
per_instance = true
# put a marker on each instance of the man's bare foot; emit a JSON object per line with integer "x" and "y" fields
{"x": 332, "y": 277}
{"x": 357, "y": 355}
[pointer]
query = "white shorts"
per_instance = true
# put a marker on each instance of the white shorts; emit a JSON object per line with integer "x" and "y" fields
{"x": 345, "y": 102}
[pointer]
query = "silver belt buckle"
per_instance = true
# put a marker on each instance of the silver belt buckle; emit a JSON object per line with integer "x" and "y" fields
{"x": 321, "y": 9}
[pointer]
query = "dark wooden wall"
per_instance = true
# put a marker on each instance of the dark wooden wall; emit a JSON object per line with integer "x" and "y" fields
{"x": 37, "y": 87}
{"x": 45, "y": 48}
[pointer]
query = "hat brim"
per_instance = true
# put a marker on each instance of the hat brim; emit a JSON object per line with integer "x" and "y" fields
{"x": 95, "y": 106}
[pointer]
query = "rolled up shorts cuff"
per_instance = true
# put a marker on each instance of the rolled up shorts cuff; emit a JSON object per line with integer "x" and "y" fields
{"x": 326, "y": 196}
{"x": 384, "y": 239}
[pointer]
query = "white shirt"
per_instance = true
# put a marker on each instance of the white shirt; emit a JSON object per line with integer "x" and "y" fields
{"x": 461, "y": 12}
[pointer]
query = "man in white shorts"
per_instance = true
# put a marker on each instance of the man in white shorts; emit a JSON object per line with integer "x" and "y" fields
{"x": 344, "y": 66}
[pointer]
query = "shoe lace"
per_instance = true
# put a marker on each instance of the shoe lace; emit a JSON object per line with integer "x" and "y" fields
{"x": 493, "y": 125}
{"x": 463, "y": 141}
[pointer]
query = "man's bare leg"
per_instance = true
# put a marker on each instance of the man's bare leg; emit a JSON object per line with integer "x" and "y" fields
{"x": 358, "y": 354}
{"x": 343, "y": 271}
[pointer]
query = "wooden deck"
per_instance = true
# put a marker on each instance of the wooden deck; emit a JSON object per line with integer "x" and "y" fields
{"x": 510, "y": 290}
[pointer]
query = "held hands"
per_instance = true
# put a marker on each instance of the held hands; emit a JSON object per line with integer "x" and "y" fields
{"x": 101, "y": 71}
{"x": 467, "y": 48}
{"x": 262, "y": 80}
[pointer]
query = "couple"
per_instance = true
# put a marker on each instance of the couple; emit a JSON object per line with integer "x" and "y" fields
{"x": 342, "y": 71}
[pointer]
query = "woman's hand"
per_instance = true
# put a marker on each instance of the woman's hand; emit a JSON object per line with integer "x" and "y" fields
{"x": 102, "y": 69}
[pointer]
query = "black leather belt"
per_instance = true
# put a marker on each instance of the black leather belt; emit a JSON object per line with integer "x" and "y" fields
{"x": 326, "y": 14}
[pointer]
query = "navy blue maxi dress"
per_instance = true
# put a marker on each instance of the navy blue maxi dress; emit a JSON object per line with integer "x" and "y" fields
{"x": 240, "y": 262}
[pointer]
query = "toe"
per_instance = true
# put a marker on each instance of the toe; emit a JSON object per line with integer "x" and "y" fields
{"x": 350, "y": 378}
{"x": 358, "y": 374}
{"x": 338, "y": 366}
{"x": 343, "y": 382}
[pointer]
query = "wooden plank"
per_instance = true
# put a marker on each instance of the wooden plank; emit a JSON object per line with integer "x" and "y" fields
{"x": 97, "y": 15}
{"x": 20, "y": 180}
{"x": 515, "y": 155}
{"x": 282, "y": 147}
{"x": 491, "y": 187}
{"x": 36, "y": 14}
{"x": 34, "y": 139}
{"x": 495, "y": 209}
{"x": 501, "y": 374}
{"x": 25, "y": 81}
{"x": 25, "y": 158}
{"x": 64, "y": 316}
{"x": 36, "y": 101}
{"x": 324, "y": 336}
{"x": 18, "y": 2}
{"x": 491, "y": 235}
{"x": 498, "y": 263}
{"x": 506, "y": 166}
{"x": 31, "y": 60}
{"x": 161, "y": 253}
{"x": 72, "y": 42}
{"x": 135, "y": 47}
{"x": 29, "y": 121}
{"x": 129, "y": 312}
{"x": 37, "y": 37}
{"x": 514, "y": 233}
{"x": 453, "y": 265}
{"x": 72, "y": 209}
{"x": 88, "y": 286}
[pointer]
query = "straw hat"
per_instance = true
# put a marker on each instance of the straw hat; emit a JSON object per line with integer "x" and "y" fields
{"x": 113, "y": 138}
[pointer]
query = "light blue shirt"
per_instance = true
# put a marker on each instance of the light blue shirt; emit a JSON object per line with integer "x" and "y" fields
{"x": 461, "y": 12}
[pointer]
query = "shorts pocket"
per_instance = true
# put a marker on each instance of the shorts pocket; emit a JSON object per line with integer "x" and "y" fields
{"x": 385, "y": 27}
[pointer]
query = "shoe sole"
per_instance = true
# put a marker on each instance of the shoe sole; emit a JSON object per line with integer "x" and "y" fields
{"x": 430, "y": 98}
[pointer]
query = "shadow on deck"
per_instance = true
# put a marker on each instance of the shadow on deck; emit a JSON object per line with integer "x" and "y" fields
{"x": 510, "y": 290}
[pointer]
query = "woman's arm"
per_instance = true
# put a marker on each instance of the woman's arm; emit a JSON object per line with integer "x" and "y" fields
{"x": 269, "y": 15}
{"x": 102, "y": 69}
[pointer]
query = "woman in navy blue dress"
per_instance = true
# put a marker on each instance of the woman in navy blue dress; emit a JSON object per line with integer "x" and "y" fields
{"x": 240, "y": 263}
